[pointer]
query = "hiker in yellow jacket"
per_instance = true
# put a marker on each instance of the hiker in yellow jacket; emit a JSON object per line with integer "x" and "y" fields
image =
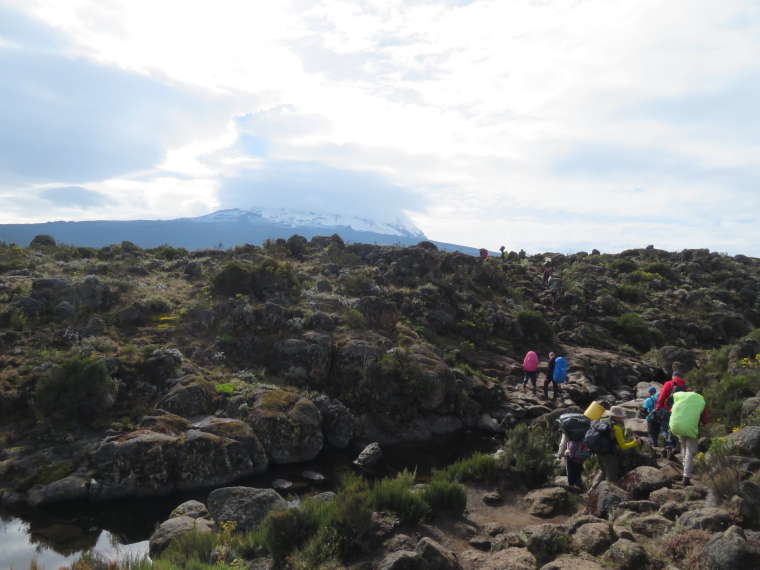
{"x": 689, "y": 410}
{"x": 608, "y": 462}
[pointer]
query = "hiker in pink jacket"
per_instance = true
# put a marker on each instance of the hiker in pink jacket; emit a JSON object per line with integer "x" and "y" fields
{"x": 530, "y": 365}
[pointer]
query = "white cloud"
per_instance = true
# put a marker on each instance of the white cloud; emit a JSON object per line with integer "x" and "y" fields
{"x": 495, "y": 117}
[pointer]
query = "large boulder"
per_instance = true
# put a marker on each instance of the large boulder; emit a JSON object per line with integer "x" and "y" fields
{"x": 729, "y": 551}
{"x": 604, "y": 499}
{"x": 338, "y": 423}
{"x": 69, "y": 488}
{"x": 28, "y": 305}
{"x": 370, "y": 457}
{"x": 513, "y": 558}
{"x": 240, "y": 432}
{"x": 749, "y": 502}
{"x": 666, "y": 495}
{"x": 192, "y": 396}
{"x": 594, "y": 538}
{"x": 746, "y": 441}
{"x": 192, "y": 509}
{"x": 711, "y": 519}
{"x": 643, "y": 480}
{"x": 651, "y": 525}
{"x": 288, "y": 426}
{"x": 547, "y": 541}
{"x": 546, "y": 502}
{"x": 573, "y": 563}
{"x": 140, "y": 463}
{"x": 173, "y": 528}
{"x": 305, "y": 359}
{"x": 667, "y": 356}
{"x": 436, "y": 556}
{"x": 245, "y": 506}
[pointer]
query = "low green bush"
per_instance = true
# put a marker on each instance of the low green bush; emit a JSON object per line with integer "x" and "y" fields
{"x": 725, "y": 398}
{"x": 718, "y": 469}
{"x": 396, "y": 495}
{"x": 624, "y": 265}
{"x": 662, "y": 269}
{"x": 445, "y": 497}
{"x": 630, "y": 293}
{"x": 634, "y": 330}
{"x": 76, "y": 390}
{"x": 159, "y": 304}
{"x": 529, "y": 454}
{"x": 478, "y": 466}
{"x": 192, "y": 549}
{"x": 535, "y": 327}
{"x": 233, "y": 279}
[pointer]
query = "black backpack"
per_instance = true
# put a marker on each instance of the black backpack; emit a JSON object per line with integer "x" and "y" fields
{"x": 599, "y": 437}
{"x": 676, "y": 388}
{"x": 574, "y": 426}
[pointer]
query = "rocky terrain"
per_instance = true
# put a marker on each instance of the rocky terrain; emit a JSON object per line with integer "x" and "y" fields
{"x": 133, "y": 372}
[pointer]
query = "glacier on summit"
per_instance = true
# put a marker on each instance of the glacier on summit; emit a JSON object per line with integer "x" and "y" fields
{"x": 287, "y": 218}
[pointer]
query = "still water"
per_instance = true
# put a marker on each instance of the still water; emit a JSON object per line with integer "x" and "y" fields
{"x": 57, "y": 534}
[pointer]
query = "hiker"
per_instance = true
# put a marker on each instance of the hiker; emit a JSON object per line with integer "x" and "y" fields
{"x": 653, "y": 424}
{"x": 663, "y": 408}
{"x": 604, "y": 438}
{"x": 550, "y": 377}
{"x": 547, "y": 274}
{"x": 577, "y": 453}
{"x": 483, "y": 253}
{"x": 504, "y": 253}
{"x": 689, "y": 410}
{"x": 555, "y": 284}
{"x": 530, "y": 366}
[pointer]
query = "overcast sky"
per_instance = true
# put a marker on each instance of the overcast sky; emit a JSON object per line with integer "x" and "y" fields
{"x": 544, "y": 125}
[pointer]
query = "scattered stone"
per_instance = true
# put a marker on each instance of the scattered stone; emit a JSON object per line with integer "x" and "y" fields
{"x": 487, "y": 423}
{"x": 667, "y": 495}
{"x": 399, "y": 542}
{"x": 639, "y": 506}
{"x": 245, "y": 506}
{"x": 472, "y": 559}
{"x": 173, "y": 528}
{"x": 729, "y": 551}
{"x": 512, "y": 558}
{"x": 403, "y": 560}
{"x": 573, "y": 563}
{"x": 672, "y": 510}
{"x": 578, "y": 521}
{"x": 192, "y": 509}
{"x": 483, "y": 543}
{"x": 493, "y": 529}
{"x": 643, "y": 480}
{"x": 370, "y": 457}
{"x": 623, "y": 532}
{"x": 492, "y": 498}
{"x": 436, "y": 556}
{"x": 746, "y": 441}
{"x": 546, "y": 542}
{"x": 313, "y": 476}
{"x": 507, "y": 540}
{"x": 605, "y": 498}
{"x": 711, "y": 519}
{"x": 651, "y": 525}
{"x": 594, "y": 538}
{"x": 546, "y": 502}
{"x": 281, "y": 484}
{"x": 627, "y": 555}
{"x": 464, "y": 530}
{"x": 327, "y": 496}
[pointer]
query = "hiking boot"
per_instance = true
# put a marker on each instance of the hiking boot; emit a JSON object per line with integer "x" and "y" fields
{"x": 686, "y": 482}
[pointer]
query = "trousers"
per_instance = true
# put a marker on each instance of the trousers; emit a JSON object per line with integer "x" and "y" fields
{"x": 608, "y": 468}
{"x": 689, "y": 448}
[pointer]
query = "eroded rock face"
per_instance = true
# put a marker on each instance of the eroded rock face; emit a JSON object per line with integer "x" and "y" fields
{"x": 746, "y": 441}
{"x": 604, "y": 499}
{"x": 338, "y": 423}
{"x": 287, "y": 425}
{"x": 667, "y": 356}
{"x": 245, "y": 506}
{"x": 310, "y": 353}
{"x": 436, "y": 555}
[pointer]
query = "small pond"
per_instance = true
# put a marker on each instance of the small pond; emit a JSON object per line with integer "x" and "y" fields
{"x": 57, "y": 534}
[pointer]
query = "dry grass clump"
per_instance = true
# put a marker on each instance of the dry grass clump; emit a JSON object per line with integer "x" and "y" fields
{"x": 685, "y": 548}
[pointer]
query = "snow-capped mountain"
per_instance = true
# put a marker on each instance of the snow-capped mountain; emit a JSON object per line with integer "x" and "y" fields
{"x": 286, "y": 218}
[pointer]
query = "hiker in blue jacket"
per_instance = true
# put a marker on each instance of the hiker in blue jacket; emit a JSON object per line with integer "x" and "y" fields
{"x": 653, "y": 423}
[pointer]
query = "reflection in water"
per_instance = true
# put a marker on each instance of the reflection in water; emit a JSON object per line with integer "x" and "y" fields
{"x": 57, "y": 534}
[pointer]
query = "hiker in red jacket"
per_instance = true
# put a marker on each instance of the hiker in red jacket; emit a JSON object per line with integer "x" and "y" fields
{"x": 667, "y": 390}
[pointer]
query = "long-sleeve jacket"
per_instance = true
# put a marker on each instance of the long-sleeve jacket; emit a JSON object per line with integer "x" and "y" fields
{"x": 620, "y": 438}
{"x": 667, "y": 391}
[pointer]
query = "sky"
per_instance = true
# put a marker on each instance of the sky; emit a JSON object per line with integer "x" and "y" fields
{"x": 544, "y": 125}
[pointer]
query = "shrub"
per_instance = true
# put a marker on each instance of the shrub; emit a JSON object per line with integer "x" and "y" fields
{"x": 87, "y": 252}
{"x": 624, "y": 265}
{"x": 685, "y": 548}
{"x": 395, "y": 495}
{"x": 282, "y": 532}
{"x": 191, "y": 549}
{"x": 535, "y": 327}
{"x": 445, "y": 497}
{"x": 158, "y": 304}
{"x": 296, "y": 244}
{"x": 630, "y": 293}
{"x": 478, "y": 466}
{"x": 662, "y": 269}
{"x": 75, "y": 390}
{"x": 529, "y": 454}
{"x": 725, "y": 398}
{"x": 719, "y": 470}
{"x": 234, "y": 279}
{"x": 354, "y": 319}
{"x": 633, "y": 330}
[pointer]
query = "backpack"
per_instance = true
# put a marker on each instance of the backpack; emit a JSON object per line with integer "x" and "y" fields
{"x": 574, "y": 426}
{"x": 599, "y": 437}
{"x": 676, "y": 388}
{"x": 530, "y": 364}
{"x": 560, "y": 370}
{"x": 579, "y": 451}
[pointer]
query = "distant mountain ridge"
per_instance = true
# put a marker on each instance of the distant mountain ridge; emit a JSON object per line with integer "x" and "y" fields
{"x": 226, "y": 227}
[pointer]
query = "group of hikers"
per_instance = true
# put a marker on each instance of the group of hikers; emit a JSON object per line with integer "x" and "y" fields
{"x": 675, "y": 413}
{"x": 556, "y": 373}
{"x": 550, "y": 281}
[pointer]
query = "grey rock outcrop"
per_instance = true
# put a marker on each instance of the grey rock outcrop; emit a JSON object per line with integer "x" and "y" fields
{"x": 245, "y": 506}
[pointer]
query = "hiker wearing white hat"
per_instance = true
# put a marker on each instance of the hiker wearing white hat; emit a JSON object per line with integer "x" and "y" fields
{"x": 604, "y": 438}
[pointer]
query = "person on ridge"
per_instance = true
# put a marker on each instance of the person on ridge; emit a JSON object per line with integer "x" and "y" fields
{"x": 550, "y": 377}
{"x": 483, "y": 253}
{"x": 547, "y": 274}
{"x": 608, "y": 462}
{"x": 653, "y": 424}
{"x": 689, "y": 410}
{"x": 530, "y": 366}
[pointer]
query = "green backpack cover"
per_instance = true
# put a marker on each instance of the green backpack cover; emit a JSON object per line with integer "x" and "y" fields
{"x": 687, "y": 409}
